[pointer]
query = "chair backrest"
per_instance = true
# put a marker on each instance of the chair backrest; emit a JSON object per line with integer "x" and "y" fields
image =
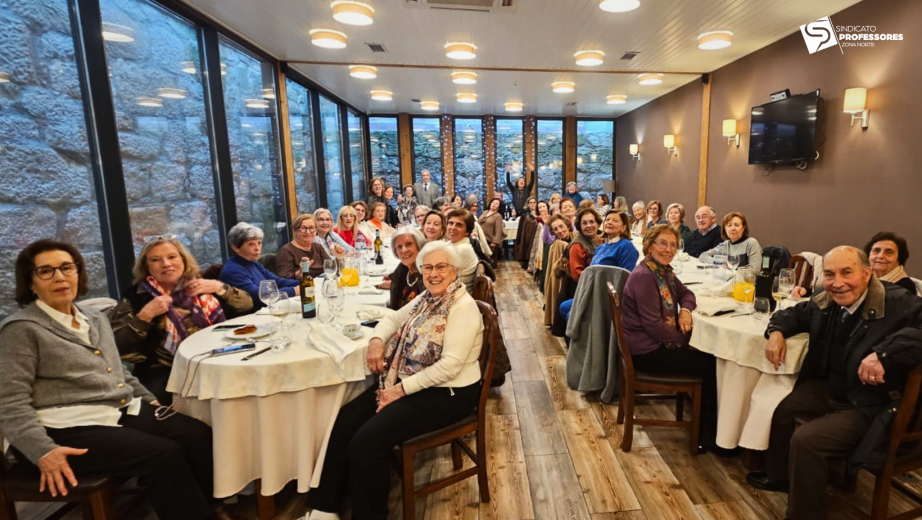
{"x": 907, "y": 425}
{"x": 483, "y": 289}
{"x": 627, "y": 364}
{"x": 803, "y": 271}
{"x": 268, "y": 261}
{"x": 102, "y": 305}
{"x": 487, "y": 270}
{"x": 212, "y": 272}
{"x": 487, "y": 355}
{"x": 918, "y": 285}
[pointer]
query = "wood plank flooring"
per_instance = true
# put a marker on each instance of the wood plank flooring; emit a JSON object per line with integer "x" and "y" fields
{"x": 554, "y": 453}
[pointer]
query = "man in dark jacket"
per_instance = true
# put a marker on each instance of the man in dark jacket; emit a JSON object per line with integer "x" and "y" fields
{"x": 707, "y": 236}
{"x": 865, "y": 337}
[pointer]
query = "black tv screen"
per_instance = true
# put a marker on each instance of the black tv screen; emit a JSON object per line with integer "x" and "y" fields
{"x": 784, "y": 131}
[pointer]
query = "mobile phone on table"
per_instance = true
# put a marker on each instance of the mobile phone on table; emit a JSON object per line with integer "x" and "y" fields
{"x": 370, "y": 323}
{"x": 233, "y": 349}
{"x": 224, "y": 328}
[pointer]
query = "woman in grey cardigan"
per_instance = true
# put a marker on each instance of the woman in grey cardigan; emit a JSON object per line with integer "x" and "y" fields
{"x": 735, "y": 231}
{"x": 70, "y": 408}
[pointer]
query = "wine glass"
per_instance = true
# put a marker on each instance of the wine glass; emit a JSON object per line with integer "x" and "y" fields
{"x": 733, "y": 261}
{"x": 329, "y": 268}
{"x": 280, "y": 308}
{"x": 760, "y": 308}
{"x": 785, "y": 283}
{"x": 268, "y": 292}
{"x": 681, "y": 248}
{"x": 334, "y": 296}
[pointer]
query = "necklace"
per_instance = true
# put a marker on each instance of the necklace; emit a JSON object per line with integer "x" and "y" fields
{"x": 415, "y": 280}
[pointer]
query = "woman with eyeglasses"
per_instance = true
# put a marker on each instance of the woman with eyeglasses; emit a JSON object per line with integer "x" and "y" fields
{"x": 289, "y": 257}
{"x": 426, "y": 356}
{"x": 72, "y": 411}
{"x": 167, "y": 303}
{"x": 330, "y": 240}
{"x": 347, "y": 227}
{"x": 655, "y": 214}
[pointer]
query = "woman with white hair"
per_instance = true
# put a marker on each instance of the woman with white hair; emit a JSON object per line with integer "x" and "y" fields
{"x": 426, "y": 355}
{"x": 242, "y": 269}
{"x": 640, "y": 218}
{"x": 406, "y": 282}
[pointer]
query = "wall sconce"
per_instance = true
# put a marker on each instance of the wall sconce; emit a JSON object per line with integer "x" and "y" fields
{"x": 669, "y": 143}
{"x": 855, "y": 102}
{"x": 730, "y": 132}
{"x": 635, "y": 152}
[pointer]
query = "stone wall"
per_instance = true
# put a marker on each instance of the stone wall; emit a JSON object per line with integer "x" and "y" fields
{"x": 302, "y": 148}
{"x": 550, "y": 164}
{"x": 385, "y": 157}
{"x": 428, "y": 156}
{"x": 469, "y": 163}
{"x": 595, "y": 149}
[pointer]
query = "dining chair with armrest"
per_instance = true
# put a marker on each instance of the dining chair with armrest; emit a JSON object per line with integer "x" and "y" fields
{"x": 663, "y": 386}
{"x": 473, "y": 423}
{"x": 803, "y": 271}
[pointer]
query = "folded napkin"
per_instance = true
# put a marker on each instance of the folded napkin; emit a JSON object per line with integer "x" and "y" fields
{"x": 716, "y": 290}
{"x": 716, "y": 306}
{"x": 369, "y": 314}
{"x": 370, "y": 291}
{"x": 333, "y": 343}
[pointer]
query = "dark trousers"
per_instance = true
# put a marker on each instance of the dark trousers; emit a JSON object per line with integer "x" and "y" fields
{"x": 802, "y": 456}
{"x": 154, "y": 378}
{"x": 171, "y": 458}
{"x": 360, "y": 450}
{"x": 688, "y": 361}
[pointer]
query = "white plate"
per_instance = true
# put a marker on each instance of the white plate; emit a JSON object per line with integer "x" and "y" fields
{"x": 261, "y": 330}
{"x": 358, "y": 334}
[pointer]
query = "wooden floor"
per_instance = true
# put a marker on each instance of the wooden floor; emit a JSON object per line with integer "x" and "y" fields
{"x": 553, "y": 452}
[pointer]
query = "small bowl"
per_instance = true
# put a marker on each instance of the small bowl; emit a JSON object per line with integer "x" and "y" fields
{"x": 351, "y": 329}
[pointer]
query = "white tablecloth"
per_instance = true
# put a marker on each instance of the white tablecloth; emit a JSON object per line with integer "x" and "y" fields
{"x": 272, "y": 415}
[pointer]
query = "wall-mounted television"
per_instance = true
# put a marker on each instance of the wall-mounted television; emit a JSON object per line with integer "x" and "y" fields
{"x": 784, "y": 131}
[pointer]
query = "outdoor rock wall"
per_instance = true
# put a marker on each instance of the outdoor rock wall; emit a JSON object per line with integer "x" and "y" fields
{"x": 385, "y": 157}
{"x": 595, "y": 149}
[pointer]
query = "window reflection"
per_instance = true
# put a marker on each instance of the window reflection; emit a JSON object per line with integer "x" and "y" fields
{"x": 469, "y": 175}
{"x": 549, "y": 143}
{"x": 427, "y": 148}
{"x": 302, "y": 147}
{"x": 594, "y": 154}
{"x": 509, "y": 150}
{"x": 385, "y": 151}
{"x": 332, "y": 149}
{"x": 356, "y": 155}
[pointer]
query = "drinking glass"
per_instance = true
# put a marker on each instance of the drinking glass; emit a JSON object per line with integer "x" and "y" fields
{"x": 681, "y": 247}
{"x": 281, "y": 341}
{"x": 733, "y": 261}
{"x": 268, "y": 292}
{"x": 334, "y": 296}
{"x": 786, "y": 282}
{"x": 760, "y": 308}
{"x": 329, "y": 268}
{"x": 280, "y": 308}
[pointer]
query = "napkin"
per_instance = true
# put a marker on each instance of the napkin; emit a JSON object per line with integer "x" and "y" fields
{"x": 723, "y": 289}
{"x": 370, "y": 291}
{"x": 369, "y": 314}
{"x": 333, "y": 343}
{"x": 716, "y": 306}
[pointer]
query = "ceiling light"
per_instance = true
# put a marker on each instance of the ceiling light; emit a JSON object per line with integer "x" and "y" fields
{"x": 4, "y": 77}
{"x": 382, "y": 95}
{"x": 514, "y": 107}
{"x": 113, "y": 32}
{"x": 563, "y": 87}
{"x": 464, "y": 77}
{"x": 461, "y": 51}
{"x": 651, "y": 79}
{"x": 256, "y": 103}
{"x": 589, "y": 58}
{"x": 351, "y": 12}
{"x": 618, "y": 6}
{"x": 268, "y": 93}
{"x": 710, "y": 41}
{"x": 616, "y": 99}
{"x": 150, "y": 102}
{"x": 363, "y": 71}
{"x": 188, "y": 67}
{"x": 328, "y": 39}
{"x": 466, "y": 97}
{"x": 172, "y": 93}
{"x": 429, "y": 105}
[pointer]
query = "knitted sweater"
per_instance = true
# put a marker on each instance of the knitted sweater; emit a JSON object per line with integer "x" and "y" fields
{"x": 246, "y": 275}
{"x": 621, "y": 254}
{"x": 748, "y": 246}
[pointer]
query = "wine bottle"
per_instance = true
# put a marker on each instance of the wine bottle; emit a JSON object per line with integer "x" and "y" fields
{"x": 308, "y": 302}
{"x": 378, "y": 258}
{"x": 764, "y": 282}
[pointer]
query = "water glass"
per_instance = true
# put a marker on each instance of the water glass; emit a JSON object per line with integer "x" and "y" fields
{"x": 329, "y": 268}
{"x": 760, "y": 308}
{"x": 334, "y": 296}
{"x": 280, "y": 308}
{"x": 268, "y": 292}
{"x": 733, "y": 261}
{"x": 281, "y": 341}
{"x": 681, "y": 248}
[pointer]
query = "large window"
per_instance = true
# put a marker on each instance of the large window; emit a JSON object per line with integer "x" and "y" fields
{"x": 357, "y": 155}
{"x": 550, "y": 157}
{"x": 509, "y": 151}
{"x": 427, "y": 149}
{"x": 469, "y": 175}
{"x": 249, "y": 100}
{"x": 332, "y": 152}
{"x": 163, "y": 136}
{"x": 302, "y": 147}
{"x": 46, "y": 180}
{"x": 385, "y": 150}
{"x": 595, "y": 147}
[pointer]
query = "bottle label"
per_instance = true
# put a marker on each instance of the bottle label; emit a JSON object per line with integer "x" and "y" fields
{"x": 307, "y": 292}
{"x": 309, "y": 307}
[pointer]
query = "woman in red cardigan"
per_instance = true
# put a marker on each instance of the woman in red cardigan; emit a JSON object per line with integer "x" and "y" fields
{"x": 585, "y": 240}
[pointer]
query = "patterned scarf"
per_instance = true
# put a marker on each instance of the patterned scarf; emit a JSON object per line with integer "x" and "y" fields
{"x": 204, "y": 308}
{"x": 418, "y": 342}
{"x": 666, "y": 284}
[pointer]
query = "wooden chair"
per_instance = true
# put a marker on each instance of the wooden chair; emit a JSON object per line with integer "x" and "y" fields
{"x": 666, "y": 386}
{"x": 483, "y": 289}
{"x": 473, "y": 423}
{"x": 803, "y": 271}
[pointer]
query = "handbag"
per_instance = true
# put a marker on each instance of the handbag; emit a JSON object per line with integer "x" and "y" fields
{"x": 562, "y": 266}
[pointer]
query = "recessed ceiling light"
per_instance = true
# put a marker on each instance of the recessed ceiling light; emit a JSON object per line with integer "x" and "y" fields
{"x": 171, "y": 93}
{"x": 616, "y": 99}
{"x": 188, "y": 67}
{"x": 150, "y": 102}
{"x": 466, "y": 97}
{"x": 651, "y": 79}
{"x": 563, "y": 87}
{"x": 113, "y": 32}
{"x": 514, "y": 106}
{"x": 589, "y": 58}
{"x": 429, "y": 105}
{"x": 363, "y": 71}
{"x": 268, "y": 93}
{"x": 256, "y": 103}
{"x": 464, "y": 77}
{"x": 461, "y": 51}
{"x": 4, "y": 77}
{"x": 351, "y": 12}
{"x": 328, "y": 38}
{"x": 382, "y": 95}
{"x": 618, "y": 6}
{"x": 710, "y": 41}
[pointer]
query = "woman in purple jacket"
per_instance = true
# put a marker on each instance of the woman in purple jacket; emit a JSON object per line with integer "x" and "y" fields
{"x": 657, "y": 321}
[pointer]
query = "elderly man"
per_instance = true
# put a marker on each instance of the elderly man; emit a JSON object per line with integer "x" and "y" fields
{"x": 426, "y": 191}
{"x": 865, "y": 337}
{"x": 707, "y": 236}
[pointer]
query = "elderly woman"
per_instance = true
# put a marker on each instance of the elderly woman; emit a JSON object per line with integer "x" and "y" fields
{"x": 458, "y": 227}
{"x": 378, "y": 221}
{"x": 304, "y": 247}
{"x": 657, "y": 321}
{"x": 675, "y": 217}
{"x": 347, "y": 227}
{"x": 617, "y": 249}
{"x": 442, "y": 204}
{"x": 167, "y": 303}
{"x": 603, "y": 204}
{"x": 419, "y": 214}
{"x": 242, "y": 269}
{"x": 492, "y": 224}
{"x": 580, "y": 253}
{"x": 330, "y": 240}
{"x": 521, "y": 189}
{"x": 406, "y": 207}
{"x": 735, "y": 232}
{"x": 573, "y": 193}
{"x": 888, "y": 253}
{"x": 477, "y": 234}
{"x": 376, "y": 192}
{"x": 426, "y": 355}
{"x": 434, "y": 226}
{"x": 560, "y": 227}
{"x": 472, "y": 204}
{"x": 639, "y": 210}
{"x": 655, "y": 215}
{"x": 392, "y": 218}
{"x": 568, "y": 210}
{"x": 70, "y": 409}
{"x": 406, "y": 282}
{"x": 555, "y": 199}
